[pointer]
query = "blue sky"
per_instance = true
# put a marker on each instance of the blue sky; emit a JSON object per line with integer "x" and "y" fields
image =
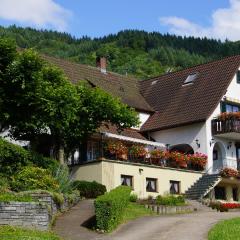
{"x": 211, "y": 18}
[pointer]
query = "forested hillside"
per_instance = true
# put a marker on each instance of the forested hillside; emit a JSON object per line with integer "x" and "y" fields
{"x": 132, "y": 52}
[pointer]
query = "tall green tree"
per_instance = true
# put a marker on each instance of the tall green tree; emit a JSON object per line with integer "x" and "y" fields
{"x": 39, "y": 99}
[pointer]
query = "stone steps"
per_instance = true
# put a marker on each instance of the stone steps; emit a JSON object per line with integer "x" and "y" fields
{"x": 202, "y": 186}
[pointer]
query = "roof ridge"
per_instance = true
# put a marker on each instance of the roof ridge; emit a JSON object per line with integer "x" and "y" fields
{"x": 89, "y": 66}
{"x": 184, "y": 69}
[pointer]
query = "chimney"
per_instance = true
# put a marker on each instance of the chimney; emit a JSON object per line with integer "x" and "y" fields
{"x": 101, "y": 63}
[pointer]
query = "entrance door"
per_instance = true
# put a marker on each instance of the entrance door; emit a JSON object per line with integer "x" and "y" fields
{"x": 235, "y": 193}
{"x": 220, "y": 193}
{"x": 217, "y": 158}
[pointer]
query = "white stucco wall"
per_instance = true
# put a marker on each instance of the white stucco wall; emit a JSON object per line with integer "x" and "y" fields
{"x": 186, "y": 134}
{"x": 233, "y": 90}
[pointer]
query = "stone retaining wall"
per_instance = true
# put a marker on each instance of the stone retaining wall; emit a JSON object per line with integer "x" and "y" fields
{"x": 25, "y": 214}
{"x": 33, "y": 214}
{"x": 161, "y": 209}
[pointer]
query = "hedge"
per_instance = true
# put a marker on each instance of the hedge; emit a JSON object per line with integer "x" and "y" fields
{"x": 89, "y": 189}
{"x": 109, "y": 208}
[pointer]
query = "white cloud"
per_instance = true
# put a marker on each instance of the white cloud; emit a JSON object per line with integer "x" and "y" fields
{"x": 225, "y": 23}
{"x": 39, "y": 13}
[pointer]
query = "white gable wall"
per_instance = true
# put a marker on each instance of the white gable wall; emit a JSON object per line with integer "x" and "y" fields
{"x": 143, "y": 117}
{"x": 203, "y": 132}
{"x": 233, "y": 90}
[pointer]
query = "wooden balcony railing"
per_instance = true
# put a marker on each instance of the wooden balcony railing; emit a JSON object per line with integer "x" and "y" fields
{"x": 225, "y": 126}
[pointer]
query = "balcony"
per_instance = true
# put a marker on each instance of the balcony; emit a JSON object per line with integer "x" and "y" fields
{"x": 143, "y": 152}
{"x": 227, "y": 128}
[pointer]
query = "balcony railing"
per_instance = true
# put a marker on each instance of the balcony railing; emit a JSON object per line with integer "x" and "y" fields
{"x": 225, "y": 126}
{"x": 136, "y": 153}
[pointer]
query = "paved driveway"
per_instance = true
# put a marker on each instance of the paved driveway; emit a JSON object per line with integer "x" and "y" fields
{"x": 193, "y": 226}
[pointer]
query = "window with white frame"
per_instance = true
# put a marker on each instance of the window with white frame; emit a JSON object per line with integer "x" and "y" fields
{"x": 151, "y": 184}
{"x": 174, "y": 187}
{"x": 127, "y": 180}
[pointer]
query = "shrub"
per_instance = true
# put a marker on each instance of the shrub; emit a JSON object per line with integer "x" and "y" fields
{"x": 71, "y": 197}
{"x": 31, "y": 178}
{"x": 89, "y": 189}
{"x": 63, "y": 179}
{"x": 109, "y": 208}
{"x": 44, "y": 162}
{"x": 170, "y": 200}
{"x": 9, "y": 197}
{"x": 133, "y": 197}
{"x": 4, "y": 184}
{"x": 58, "y": 198}
{"x": 12, "y": 158}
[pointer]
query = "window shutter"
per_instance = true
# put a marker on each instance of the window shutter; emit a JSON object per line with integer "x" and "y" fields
{"x": 238, "y": 76}
{"x": 223, "y": 107}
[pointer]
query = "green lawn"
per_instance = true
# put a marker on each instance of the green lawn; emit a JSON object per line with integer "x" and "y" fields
{"x": 226, "y": 230}
{"x": 134, "y": 211}
{"x": 14, "y": 233}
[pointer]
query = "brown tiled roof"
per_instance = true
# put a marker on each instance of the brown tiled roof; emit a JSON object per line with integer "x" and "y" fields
{"x": 176, "y": 104}
{"x": 129, "y": 132}
{"x": 126, "y": 88}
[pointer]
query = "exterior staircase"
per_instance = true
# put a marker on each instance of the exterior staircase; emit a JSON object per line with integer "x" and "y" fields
{"x": 203, "y": 186}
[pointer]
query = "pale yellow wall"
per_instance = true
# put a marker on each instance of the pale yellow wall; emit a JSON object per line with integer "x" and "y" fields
{"x": 109, "y": 172}
{"x": 88, "y": 172}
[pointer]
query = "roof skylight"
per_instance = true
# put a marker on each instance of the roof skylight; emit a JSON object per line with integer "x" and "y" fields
{"x": 190, "y": 78}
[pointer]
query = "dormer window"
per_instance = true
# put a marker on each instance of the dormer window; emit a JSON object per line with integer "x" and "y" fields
{"x": 190, "y": 78}
{"x": 238, "y": 76}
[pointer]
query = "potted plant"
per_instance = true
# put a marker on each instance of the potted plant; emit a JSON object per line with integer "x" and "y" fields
{"x": 157, "y": 155}
{"x": 229, "y": 172}
{"x": 198, "y": 161}
{"x": 229, "y": 116}
{"x": 178, "y": 159}
{"x": 138, "y": 152}
{"x": 118, "y": 149}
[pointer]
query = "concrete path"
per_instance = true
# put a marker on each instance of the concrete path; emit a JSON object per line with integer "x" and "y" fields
{"x": 193, "y": 226}
{"x": 69, "y": 225}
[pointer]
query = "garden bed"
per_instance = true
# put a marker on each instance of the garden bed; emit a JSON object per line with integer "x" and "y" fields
{"x": 167, "y": 204}
{"x": 163, "y": 209}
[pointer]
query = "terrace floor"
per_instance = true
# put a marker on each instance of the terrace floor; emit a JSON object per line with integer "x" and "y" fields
{"x": 194, "y": 226}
